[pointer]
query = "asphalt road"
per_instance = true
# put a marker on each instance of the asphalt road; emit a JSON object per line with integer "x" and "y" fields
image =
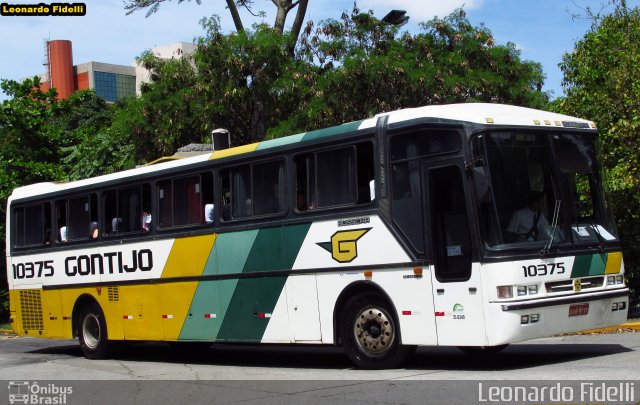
{"x": 152, "y": 372}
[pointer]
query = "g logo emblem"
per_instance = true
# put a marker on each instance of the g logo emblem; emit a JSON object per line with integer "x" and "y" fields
{"x": 343, "y": 246}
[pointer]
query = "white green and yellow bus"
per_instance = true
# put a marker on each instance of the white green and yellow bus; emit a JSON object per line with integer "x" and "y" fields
{"x": 380, "y": 235}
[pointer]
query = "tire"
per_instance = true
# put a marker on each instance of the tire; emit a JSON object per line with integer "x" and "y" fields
{"x": 92, "y": 333}
{"x": 482, "y": 350}
{"x": 370, "y": 334}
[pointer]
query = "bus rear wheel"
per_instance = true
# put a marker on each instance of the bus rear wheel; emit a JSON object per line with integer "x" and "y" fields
{"x": 92, "y": 332}
{"x": 370, "y": 334}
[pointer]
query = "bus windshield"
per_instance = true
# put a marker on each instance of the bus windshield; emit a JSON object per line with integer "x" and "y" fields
{"x": 540, "y": 189}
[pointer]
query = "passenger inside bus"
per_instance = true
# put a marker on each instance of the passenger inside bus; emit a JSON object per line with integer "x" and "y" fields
{"x": 146, "y": 220}
{"x": 208, "y": 213}
{"x": 528, "y": 223}
{"x": 93, "y": 230}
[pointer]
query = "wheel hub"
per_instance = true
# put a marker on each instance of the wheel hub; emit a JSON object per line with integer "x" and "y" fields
{"x": 91, "y": 331}
{"x": 373, "y": 330}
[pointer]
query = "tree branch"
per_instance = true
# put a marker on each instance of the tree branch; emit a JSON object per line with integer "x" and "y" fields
{"x": 237, "y": 21}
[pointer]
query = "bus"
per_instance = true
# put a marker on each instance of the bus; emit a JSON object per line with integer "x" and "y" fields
{"x": 468, "y": 225}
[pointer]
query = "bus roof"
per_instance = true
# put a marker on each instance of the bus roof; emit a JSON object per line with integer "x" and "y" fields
{"x": 476, "y": 113}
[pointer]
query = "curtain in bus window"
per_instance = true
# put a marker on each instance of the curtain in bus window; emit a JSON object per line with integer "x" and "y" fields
{"x": 61, "y": 221}
{"x": 19, "y": 227}
{"x": 266, "y": 187}
{"x": 336, "y": 177}
{"x": 34, "y": 225}
{"x": 194, "y": 194}
{"x": 241, "y": 192}
{"x": 79, "y": 218}
{"x": 165, "y": 204}
{"x": 129, "y": 210}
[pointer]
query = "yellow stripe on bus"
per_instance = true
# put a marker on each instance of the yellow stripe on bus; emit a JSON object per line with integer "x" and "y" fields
{"x": 614, "y": 262}
{"x": 188, "y": 256}
{"x": 234, "y": 151}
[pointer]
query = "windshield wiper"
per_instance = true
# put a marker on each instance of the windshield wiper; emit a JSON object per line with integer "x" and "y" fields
{"x": 599, "y": 236}
{"x": 554, "y": 226}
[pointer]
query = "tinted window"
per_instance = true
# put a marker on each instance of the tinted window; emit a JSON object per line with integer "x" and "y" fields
{"x": 335, "y": 177}
{"x": 253, "y": 190}
{"x": 76, "y": 218}
{"x": 186, "y": 200}
{"x": 127, "y": 210}
{"x": 424, "y": 142}
{"x": 32, "y": 225}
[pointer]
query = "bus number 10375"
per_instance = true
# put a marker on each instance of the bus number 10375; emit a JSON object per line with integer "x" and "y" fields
{"x": 543, "y": 269}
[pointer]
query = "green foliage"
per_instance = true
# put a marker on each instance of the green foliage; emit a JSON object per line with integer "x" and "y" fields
{"x": 602, "y": 83}
{"x": 366, "y": 66}
{"x": 45, "y": 139}
{"x": 249, "y": 83}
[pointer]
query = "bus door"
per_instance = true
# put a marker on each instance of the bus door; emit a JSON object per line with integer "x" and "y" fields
{"x": 457, "y": 292}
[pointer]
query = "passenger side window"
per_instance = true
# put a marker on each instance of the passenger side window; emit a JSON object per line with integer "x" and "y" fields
{"x": 186, "y": 201}
{"x": 334, "y": 177}
{"x": 32, "y": 225}
{"x": 127, "y": 210}
{"x": 253, "y": 190}
{"x": 76, "y": 218}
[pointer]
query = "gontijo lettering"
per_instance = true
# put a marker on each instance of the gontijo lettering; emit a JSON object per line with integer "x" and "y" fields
{"x": 42, "y": 9}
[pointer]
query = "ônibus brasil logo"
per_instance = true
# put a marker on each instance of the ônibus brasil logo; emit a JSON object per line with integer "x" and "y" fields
{"x": 25, "y": 392}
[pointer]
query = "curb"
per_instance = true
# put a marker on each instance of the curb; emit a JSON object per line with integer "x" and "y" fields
{"x": 625, "y": 327}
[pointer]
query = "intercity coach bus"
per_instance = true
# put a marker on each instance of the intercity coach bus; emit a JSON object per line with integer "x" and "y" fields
{"x": 470, "y": 225}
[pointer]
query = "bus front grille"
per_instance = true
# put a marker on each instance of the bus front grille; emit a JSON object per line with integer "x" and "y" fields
{"x": 31, "y": 309}
{"x": 568, "y": 285}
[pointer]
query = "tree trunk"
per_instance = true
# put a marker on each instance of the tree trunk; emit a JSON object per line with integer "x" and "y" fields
{"x": 235, "y": 15}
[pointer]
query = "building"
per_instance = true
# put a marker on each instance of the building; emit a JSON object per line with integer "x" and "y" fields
{"x": 110, "y": 82}
{"x": 173, "y": 51}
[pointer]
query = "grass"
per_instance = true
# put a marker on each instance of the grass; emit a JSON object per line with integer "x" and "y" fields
{"x": 6, "y": 326}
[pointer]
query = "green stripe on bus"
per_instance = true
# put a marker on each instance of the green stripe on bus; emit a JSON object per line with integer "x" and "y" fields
{"x": 276, "y": 248}
{"x": 254, "y": 299}
{"x": 239, "y": 310}
{"x": 210, "y": 301}
{"x": 251, "y": 307}
{"x": 598, "y": 264}
{"x": 326, "y": 132}
{"x": 581, "y": 266}
{"x": 285, "y": 140}
{"x": 589, "y": 265}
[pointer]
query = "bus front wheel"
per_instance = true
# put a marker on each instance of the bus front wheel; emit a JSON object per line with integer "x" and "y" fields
{"x": 92, "y": 332}
{"x": 370, "y": 334}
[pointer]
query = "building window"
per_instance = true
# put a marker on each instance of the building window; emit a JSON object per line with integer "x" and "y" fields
{"x": 113, "y": 87}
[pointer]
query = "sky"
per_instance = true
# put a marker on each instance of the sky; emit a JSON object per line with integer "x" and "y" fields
{"x": 543, "y": 30}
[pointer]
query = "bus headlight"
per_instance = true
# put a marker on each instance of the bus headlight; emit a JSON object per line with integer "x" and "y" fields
{"x": 612, "y": 280}
{"x": 505, "y": 291}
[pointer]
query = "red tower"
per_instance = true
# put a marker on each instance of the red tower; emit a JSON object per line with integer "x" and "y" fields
{"x": 61, "y": 68}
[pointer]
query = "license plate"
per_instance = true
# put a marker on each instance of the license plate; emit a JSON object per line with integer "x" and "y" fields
{"x": 578, "y": 309}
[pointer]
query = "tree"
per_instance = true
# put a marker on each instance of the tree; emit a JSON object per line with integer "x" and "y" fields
{"x": 602, "y": 83}
{"x": 28, "y": 147}
{"x": 39, "y": 138}
{"x": 366, "y": 66}
{"x": 341, "y": 71}
{"x": 283, "y": 7}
